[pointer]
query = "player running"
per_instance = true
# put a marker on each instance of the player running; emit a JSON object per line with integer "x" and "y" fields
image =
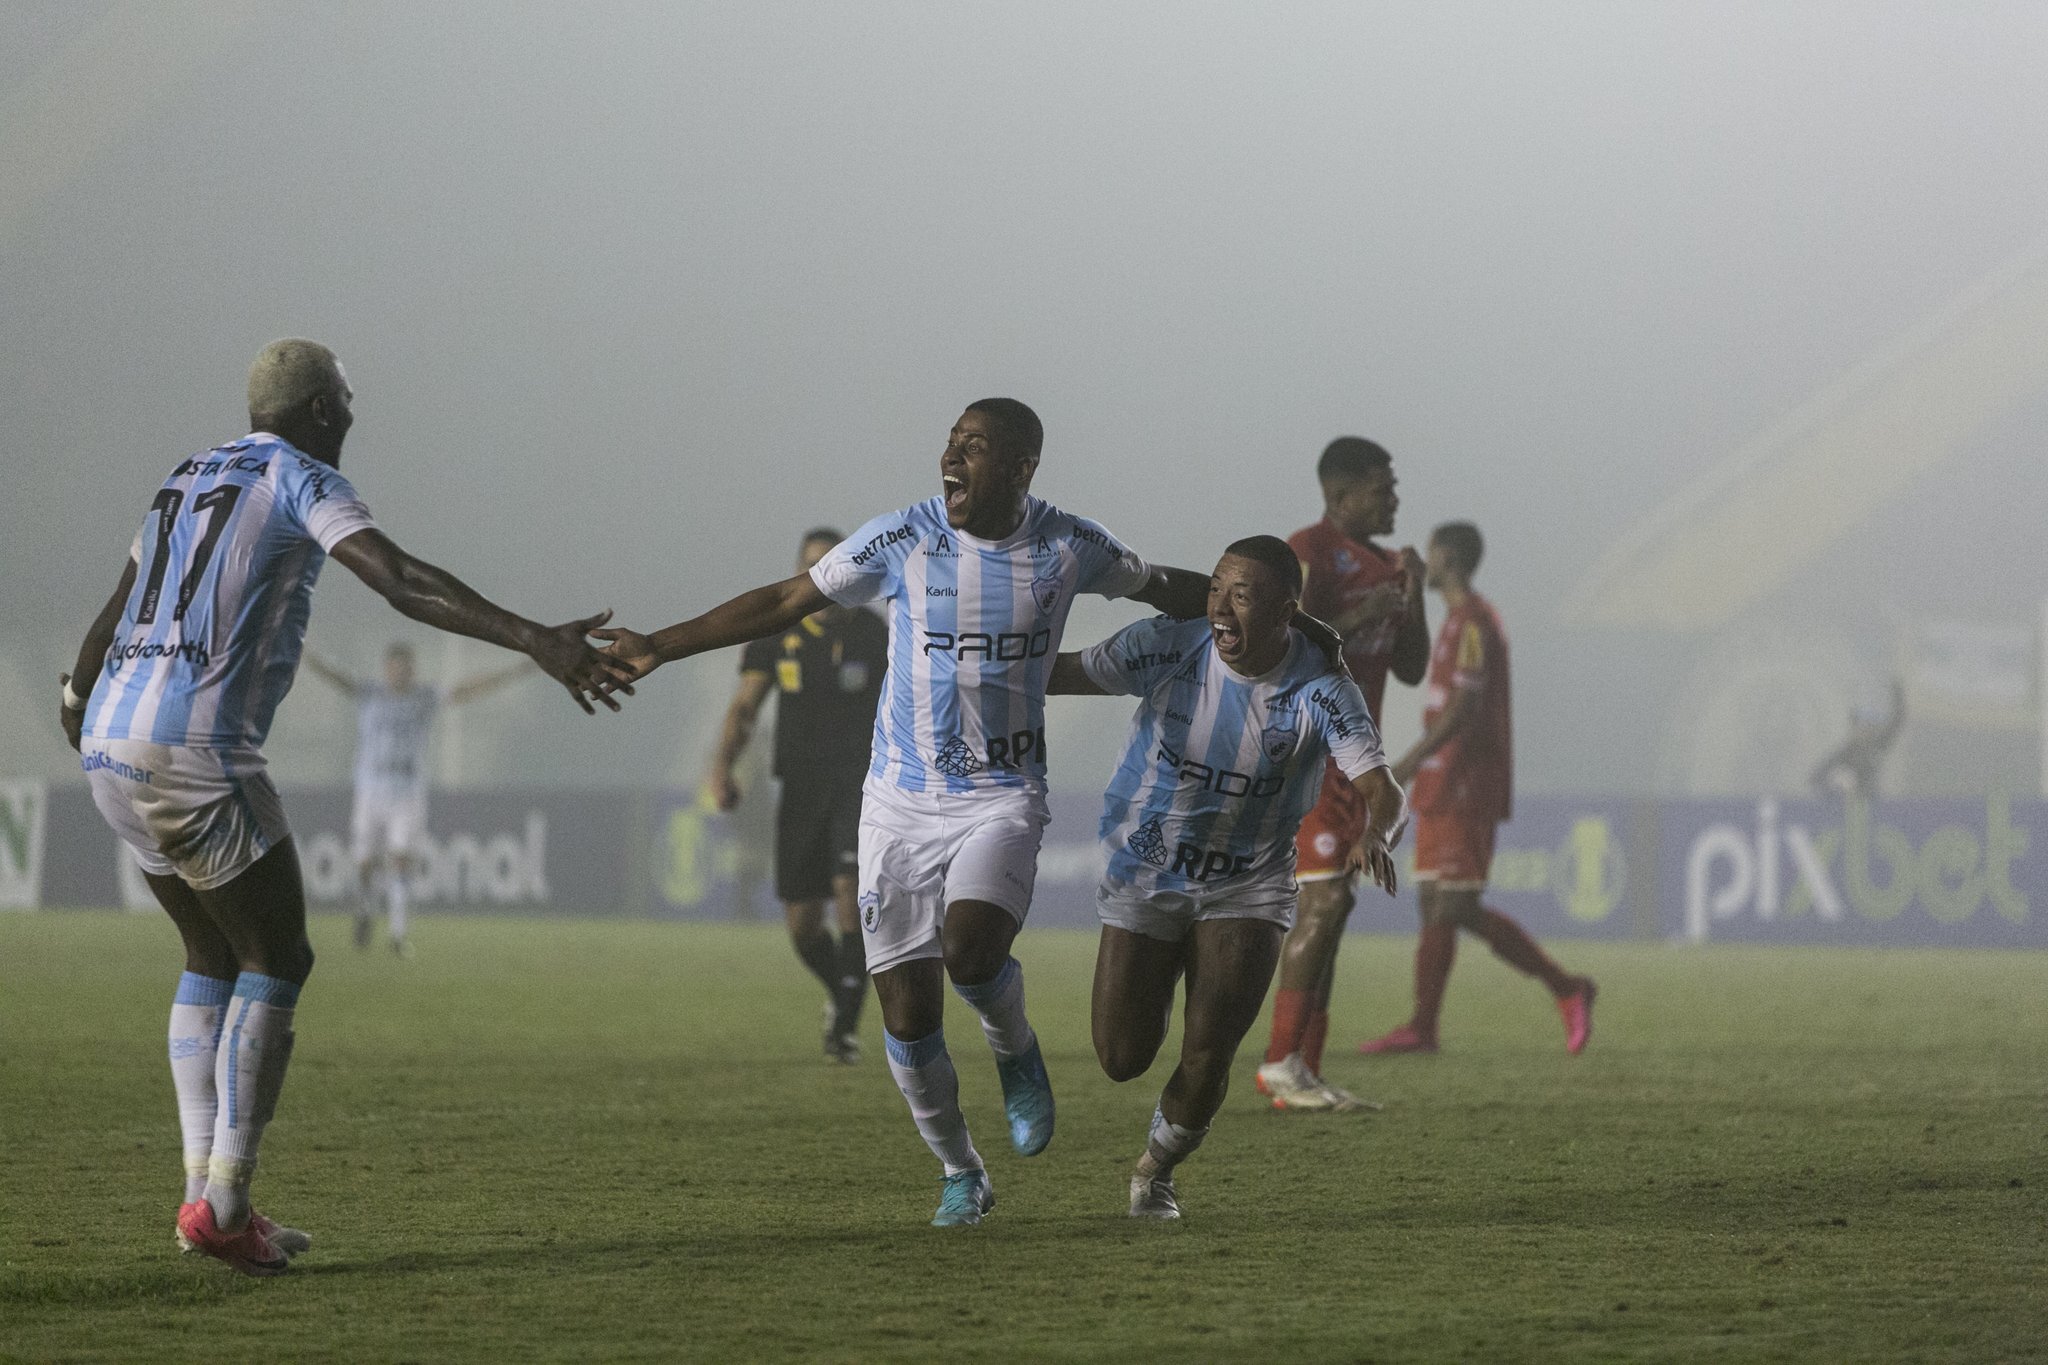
{"x": 1462, "y": 771}
{"x": 183, "y": 668}
{"x": 827, "y": 671}
{"x": 394, "y": 720}
{"x": 1238, "y": 716}
{"x": 1373, "y": 596}
{"x": 979, "y": 582}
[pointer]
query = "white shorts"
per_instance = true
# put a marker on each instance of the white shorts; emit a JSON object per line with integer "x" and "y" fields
{"x": 1171, "y": 915}
{"x": 386, "y": 820}
{"x": 203, "y": 815}
{"x": 922, "y": 851}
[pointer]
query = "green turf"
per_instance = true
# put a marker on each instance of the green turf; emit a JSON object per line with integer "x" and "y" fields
{"x": 604, "y": 1141}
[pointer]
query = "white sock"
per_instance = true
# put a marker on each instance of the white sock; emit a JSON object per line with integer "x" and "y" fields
{"x": 1167, "y": 1145}
{"x": 924, "y": 1073}
{"x": 255, "y": 1048}
{"x": 395, "y": 900}
{"x": 1000, "y": 1003}
{"x": 196, "y": 1014}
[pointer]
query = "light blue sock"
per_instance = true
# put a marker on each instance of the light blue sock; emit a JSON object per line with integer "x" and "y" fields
{"x": 1000, "y": 1003}
{"x": 196, "y": 1014}
{"x": 249, "y": 1066}
{"x": 924, "y": 1073}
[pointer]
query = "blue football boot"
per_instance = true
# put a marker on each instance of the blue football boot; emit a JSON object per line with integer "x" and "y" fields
{"x": 963, "y": 1199}
{"x": 1027, "y": 1100}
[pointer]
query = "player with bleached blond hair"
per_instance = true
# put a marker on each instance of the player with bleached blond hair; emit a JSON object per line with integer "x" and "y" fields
{"x": 180, "y": 673}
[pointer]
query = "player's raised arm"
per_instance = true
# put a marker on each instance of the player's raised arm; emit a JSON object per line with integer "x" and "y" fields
{"x": 761, "y": 611}
{"x": 92, "y": 656}
{"x": 1070, "y": 678}
{"x": 1183, "y": 594}
{"x": 1411, "y": 646}
{"x": 438, "y": 598}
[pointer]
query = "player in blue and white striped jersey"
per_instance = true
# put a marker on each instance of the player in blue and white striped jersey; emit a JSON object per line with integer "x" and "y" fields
{"x": 979, "y": 581}
{"x": 184, "y": 667}
{"x": 1226, "y": 754}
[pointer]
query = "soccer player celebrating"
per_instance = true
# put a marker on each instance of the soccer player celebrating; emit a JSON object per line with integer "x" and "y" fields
{"x": 1462, "y": 770}
{"x": 393, "y": 721}
{"x": 1237, "y": 717}
{"x": 1373, "y": 596}
{"x": 979, "y": 581}
{"x": 183, "y": 668}
{"x": 827, "y": 670}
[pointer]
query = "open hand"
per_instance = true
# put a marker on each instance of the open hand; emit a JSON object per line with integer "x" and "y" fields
{"x": 1372, "y": 855}
{"x": 629, "y": 651}
{"x": 589, "y": 674}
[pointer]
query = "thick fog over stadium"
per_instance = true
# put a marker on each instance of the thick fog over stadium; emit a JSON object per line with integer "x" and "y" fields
{"x": 631, "y": 296}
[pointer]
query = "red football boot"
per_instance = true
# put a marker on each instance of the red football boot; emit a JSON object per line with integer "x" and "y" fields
{"x": 1577, "y": 1009}
{"x": 249, "y": 1251}
{"x": 1402, "y": 1039}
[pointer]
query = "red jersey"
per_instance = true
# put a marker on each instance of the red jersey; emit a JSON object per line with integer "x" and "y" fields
{"x": 1340, "y": 571}
{"x": 1472, "y": 775}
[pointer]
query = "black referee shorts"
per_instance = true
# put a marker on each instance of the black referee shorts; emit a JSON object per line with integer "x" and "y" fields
{"x": 817, "y": 836}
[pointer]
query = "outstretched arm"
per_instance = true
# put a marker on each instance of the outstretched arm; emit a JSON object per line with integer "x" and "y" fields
{"x": 440, "y": 599}
{"x": 762, "y": 611}
{"x": 738, "y": 731}
{"x": 483, "y": 684}
{"x": 332, "y": 676}
{"x": 1069, "y": 678}
{"x": 1183, "y": 594}
{"x": 92, "y": 655}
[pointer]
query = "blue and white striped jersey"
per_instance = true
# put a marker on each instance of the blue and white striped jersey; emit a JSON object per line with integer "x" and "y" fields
{"x": 392, "y": 730}
{"x": 974, "y": 626}
{"x": 225, "y": 564}
{"x": 1220, "y": 768}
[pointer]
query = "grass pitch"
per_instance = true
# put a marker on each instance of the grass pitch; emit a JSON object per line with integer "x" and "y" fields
{"x": 618, "y": 1141}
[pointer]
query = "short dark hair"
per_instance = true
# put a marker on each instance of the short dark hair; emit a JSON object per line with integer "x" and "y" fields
{"x": 1352, "y": 457}
{"x": 1016, "y": 424}
{"x": 1464, "y": 542}
{"x": 824, "y": 533}
{"x": 1273, "y": 552}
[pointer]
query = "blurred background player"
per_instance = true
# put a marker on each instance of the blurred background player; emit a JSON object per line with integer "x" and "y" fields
{"x": 1200, "y": 872}
{"x": 184, "y": 667}
{"x": 827, "y": 673}
{"x": 1851, "y": 771}
{"x": 1373, "y": 596}
{"x": 394, "y": 723}
{"x": 1460, "y": 777}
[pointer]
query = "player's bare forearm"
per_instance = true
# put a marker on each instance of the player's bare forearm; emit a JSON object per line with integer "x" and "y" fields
{"x": 99, "y": 636}
{"x": 1182, "y": 594}
{"x": 740, "y": 719}
{"x": 1385, "y": 803}
{"x": 1070, "y": 679}
{"x": 1452, "y": 720}
{"x": 761, "y": 611}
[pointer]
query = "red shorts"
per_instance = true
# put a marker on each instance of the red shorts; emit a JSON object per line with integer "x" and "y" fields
{"x": 1453, "y": 849}
{"x": 1330, "y": 830}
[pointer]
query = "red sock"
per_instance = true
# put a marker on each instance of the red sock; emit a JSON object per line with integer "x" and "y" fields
{"x": 1290, "y": 1020}
{"x": 1317, "y": 1029}
{"x": 1435, "y": 950}
{"x": 1512, "y": 944}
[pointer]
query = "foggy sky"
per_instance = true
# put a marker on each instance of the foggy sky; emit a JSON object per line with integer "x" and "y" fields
{"x": 633, "y": 294}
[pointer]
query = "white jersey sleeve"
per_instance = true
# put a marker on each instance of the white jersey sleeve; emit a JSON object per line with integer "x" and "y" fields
{"x": 868, "y": 565}
{"x": 1109, "y": 568}
{"x": 1337, "y": 711}
{"x": 322, "y": 502}
{"x": 1133, "y": 661}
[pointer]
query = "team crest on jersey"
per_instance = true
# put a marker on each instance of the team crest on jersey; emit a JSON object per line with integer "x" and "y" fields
{"x": 1279, "y": 738}
{"x": 955, "y": 759}
{"x": 1148, "y": 841}
{"x": 870, "y": 909}
{"x": 1045, "y": 590}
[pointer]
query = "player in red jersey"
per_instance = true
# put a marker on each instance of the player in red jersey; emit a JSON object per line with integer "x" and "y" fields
{"x": 1462, "y": 776}
{"x": 1373, "y": 596}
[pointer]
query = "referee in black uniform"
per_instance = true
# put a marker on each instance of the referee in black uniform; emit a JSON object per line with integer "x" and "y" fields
{"x": 828, "y": 670}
